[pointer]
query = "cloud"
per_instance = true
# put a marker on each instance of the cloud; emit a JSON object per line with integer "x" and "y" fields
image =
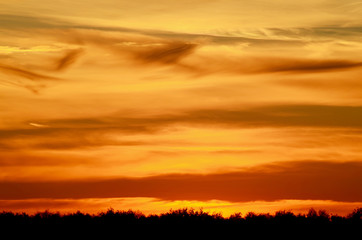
{"x": 16, "y": 71}
{"x": 23, "y": 159}
{"x": 304, "y": 65}
{"x": 350, "y": 86}
{"x": 63, "y": 138}
{"x": 285, "y": 180}
{"x": 38, "y": 203}
{"x": 9, "y": 21}
{"x": 37, "y": 125}
{"x": 258, "y": 36}
{"x": 23, "y": 78}
{"x": 168, "y": 54}
{"x": 215, "y": 39}
{"x": 169, "y": 48}
{"x": 69, "y": 58}
{"x": 169, "y": 51}
{"x": 34, "y": 81}
{"x": 265, "y": 116}
{"x": 97, "y": 131}
{"x": 351, "y": 33}
{"x": 264, "y": 65}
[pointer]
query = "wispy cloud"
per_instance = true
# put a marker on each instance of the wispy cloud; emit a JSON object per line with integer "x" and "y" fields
{"x": 34, "y": 77}
{"x": 78, "y": 133}
{"x": 15, "y": 71}
{"x": 146, "y": 47}
{"x": 24, "y": 78}
{"x": 68, "y": 59}
{"x": 9, "y": 21}
{"x": 157, "y": 48}
{"x": 273, "y": 115}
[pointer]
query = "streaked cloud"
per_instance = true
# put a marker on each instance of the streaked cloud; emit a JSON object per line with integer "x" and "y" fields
{"x": 24, "y": 73}
{"x": 299, "y": 180}
{"x": 30, "y": 80}
{"x": 76, "y": 133}
{"x": 264, "y": 116}
{"x": 69, "y": 58}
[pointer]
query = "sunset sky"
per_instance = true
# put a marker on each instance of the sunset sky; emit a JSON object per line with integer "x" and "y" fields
{"x": 229, "y": 105}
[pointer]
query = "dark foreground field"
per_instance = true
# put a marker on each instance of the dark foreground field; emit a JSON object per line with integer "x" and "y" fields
{"x": 181, "y": 216}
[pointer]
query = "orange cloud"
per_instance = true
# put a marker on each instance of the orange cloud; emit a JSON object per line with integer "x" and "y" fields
{"x": 149, "y": 47}
{"x": 69, "y": 58}
{"x": 77, "y": 133}
{"x": 10, "y": 70}
{"x": 297, "y": 180}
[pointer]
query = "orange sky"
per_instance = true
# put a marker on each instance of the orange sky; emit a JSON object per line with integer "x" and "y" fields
{"x": 230, "y": 105}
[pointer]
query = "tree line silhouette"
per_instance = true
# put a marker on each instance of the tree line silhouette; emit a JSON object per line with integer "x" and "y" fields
{"x": 181, "y": 216}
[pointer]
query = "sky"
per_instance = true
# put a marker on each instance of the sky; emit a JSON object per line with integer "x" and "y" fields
{"x": 228, "y": 105}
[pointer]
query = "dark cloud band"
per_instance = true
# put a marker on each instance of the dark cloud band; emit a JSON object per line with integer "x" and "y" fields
{"x": 293, "y": 180}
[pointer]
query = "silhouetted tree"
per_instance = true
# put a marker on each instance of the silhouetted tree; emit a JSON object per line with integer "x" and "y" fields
{"x": 356, "y": 216}
{"x": 180, "y": 217}
{"x": 285, "y": 217}
{"x": 236, "y": 218}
